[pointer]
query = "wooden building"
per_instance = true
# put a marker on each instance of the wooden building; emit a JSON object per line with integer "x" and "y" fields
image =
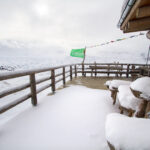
{"x": 135, "y": 16}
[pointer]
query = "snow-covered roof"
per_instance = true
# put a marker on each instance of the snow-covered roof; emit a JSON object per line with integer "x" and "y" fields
{"x": 135, "y": 16}
{"x": 127, "y": 5}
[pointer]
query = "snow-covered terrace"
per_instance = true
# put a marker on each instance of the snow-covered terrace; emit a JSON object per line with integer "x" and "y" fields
{"x": 72, "y": 118}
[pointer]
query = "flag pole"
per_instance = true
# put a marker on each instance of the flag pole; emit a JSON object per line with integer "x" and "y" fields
{"x": 84, "y": 55}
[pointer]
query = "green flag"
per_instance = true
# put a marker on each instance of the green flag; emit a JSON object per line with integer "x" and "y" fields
{"x": 78, "y": 52}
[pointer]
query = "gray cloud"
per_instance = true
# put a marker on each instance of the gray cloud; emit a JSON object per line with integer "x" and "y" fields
{"x": 62, "y": 23}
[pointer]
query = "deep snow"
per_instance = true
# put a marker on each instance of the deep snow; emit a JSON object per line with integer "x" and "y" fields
{"x": 72, "y": 119}
{"x": 128, "y": 133}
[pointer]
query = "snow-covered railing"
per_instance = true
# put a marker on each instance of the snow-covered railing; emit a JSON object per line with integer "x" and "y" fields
{"x": 58, "y": 74}
{"x": 55, "y": 73}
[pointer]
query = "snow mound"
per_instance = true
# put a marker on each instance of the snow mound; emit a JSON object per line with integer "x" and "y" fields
{"x": 127, "y": 133}
{"x": 116, "y": 83}
{"x": 108, "y": 83}
{"x": 127, "y": 99}
{"x": 142, "y": 85}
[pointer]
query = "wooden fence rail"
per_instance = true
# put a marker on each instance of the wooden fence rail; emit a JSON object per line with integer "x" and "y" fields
{"x": 64, "y": 71}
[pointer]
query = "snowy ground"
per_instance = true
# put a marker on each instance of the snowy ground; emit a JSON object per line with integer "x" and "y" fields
{"x": 72, "y": 119}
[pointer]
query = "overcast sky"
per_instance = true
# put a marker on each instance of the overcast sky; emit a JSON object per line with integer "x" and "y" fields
{"x": 62, "y": 23}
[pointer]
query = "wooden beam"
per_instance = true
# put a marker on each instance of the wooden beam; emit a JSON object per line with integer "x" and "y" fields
{"x": 75, "y": 67}
{"x": 64, "y": 76}
{"x": 14, "y": 103}
{"x": 82, "y": 69}
{"x": 136, "y": 5}
{"x": 53, "y": 80}
{"x": 70, "y": 72}
{"x": 138, "y": 25}
{"x": 15, "y": 74}
{"x": 14, "y": 90}
{"x": 137, "y": 30}
{"x": 33, "y": 90}
{"x": 143, "y": 12}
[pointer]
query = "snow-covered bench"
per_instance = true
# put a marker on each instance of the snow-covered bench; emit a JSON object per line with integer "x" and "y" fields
{"x": 141, "y": 89}
{"x": 113, "y": 85}
{"x": 127, "y": 101}
{"x": 126, "y": 133}
{"x": 137, "y": 100}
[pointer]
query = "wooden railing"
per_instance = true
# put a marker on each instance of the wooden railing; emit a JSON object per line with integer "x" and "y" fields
{"x": 61, "y": 73}
{"x": 67, "y": 71}
{"x": 112, "y": 69}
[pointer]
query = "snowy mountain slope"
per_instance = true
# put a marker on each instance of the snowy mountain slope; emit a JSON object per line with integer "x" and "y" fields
{"x": 20, "y": 55}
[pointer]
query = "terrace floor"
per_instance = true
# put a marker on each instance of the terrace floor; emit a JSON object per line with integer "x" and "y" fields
{"x": 71, "y": 119}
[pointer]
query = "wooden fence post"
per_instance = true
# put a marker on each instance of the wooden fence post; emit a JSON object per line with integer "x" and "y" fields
{"x": 95, "y": 69}
{"x": 148, "y": 73}
{"x": 128, "y": 67}
{"x": 33, "y": 90}
{"x": 53, "y": 80}
{"x": 82, "y": 70}
{"x": 75, "y": 68}
{"x": 108, "y": 70}
{"x": 70, "y": 72}
{"x": 117, "y": 66}
{"x": 121, "y": 70}
{"x": 91, "y": 72}
{"x": 64, "y": 78}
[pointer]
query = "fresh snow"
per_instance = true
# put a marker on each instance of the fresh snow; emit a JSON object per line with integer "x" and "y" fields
{"x": 108, "y": 83}
{"x": 127, "y": 133}
{"x": 127, "y": 99}
{"x": 116, "y": 83}
{"x": 142, "y": 85}
{"x": 72, "y": 119}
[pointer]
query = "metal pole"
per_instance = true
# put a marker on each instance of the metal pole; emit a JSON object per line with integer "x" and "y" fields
{"x": 148, "y": 56}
